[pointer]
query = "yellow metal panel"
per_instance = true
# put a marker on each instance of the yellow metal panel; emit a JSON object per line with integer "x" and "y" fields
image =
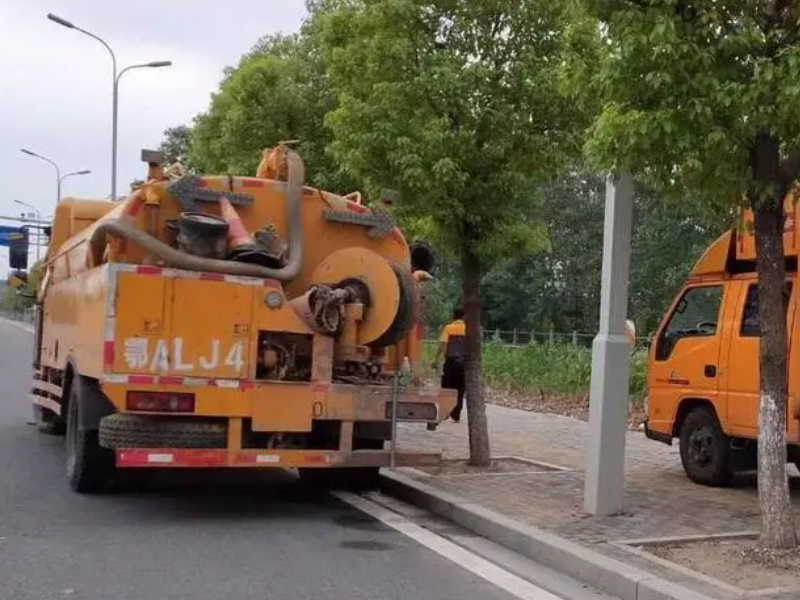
{"x": 282, "y": 407}
{"x": 211, "y": 328}
{"x": 74, "y": 321}
{"x": 140, "y": 315}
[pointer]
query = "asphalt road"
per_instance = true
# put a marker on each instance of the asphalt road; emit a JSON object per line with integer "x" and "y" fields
{"x": 213, "y": 535}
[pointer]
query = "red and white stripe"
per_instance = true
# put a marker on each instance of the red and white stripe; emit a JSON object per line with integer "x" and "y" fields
{"x": 173, "y": 380}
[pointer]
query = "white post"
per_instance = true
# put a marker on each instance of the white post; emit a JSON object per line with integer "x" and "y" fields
{"x": 608, "y": 406}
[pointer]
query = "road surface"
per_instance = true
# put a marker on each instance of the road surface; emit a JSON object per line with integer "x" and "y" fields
{"x": 215, "y": 535}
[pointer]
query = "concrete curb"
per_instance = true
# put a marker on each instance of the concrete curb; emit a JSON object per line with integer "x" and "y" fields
{"x": 598, "y": 570}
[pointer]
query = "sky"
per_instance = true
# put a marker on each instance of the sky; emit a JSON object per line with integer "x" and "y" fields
{"x": 56, "y": 83}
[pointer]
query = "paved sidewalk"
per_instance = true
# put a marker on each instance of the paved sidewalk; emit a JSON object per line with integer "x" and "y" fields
{"x": 660, "y": 501}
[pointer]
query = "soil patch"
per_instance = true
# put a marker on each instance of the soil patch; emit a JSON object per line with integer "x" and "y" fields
{"x": 576, "y": 407}
{"x": 738, "y": 562}
{"x": 498, "y": 465}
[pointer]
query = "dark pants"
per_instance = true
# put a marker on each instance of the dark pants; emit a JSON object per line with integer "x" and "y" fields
{"x": 453, "y": 379}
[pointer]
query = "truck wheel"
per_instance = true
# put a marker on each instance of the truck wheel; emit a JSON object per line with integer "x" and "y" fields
{"x": 48, "y": 422}
{"x": 89, "y": 467}
{"x": 705, "y": 449}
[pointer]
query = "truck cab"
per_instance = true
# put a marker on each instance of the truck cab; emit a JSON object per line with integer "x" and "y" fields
{"x": 703, "y": 370}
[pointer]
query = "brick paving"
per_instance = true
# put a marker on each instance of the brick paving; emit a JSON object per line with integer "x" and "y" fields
{"x": 660, "y": 501}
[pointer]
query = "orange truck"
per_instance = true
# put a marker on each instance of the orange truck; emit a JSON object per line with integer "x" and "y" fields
{"x": 222, "y": 321}
{"x": 703, "y": 374}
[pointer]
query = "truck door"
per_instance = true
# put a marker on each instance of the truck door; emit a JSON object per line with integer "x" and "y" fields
{"x": 686, "y": 356}
{"x": 741, "y": 380}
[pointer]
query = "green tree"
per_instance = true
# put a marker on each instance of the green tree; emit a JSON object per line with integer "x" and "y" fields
{"x": 455, "y": 104}
{"x": 176, "y": 144}
{"x": 701, "y": 97}
{"x": 279, "y": 91}
{"x": 559, "y": 287}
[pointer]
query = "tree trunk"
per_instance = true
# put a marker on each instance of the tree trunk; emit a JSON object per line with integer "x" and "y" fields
{"x": 777, "y": 527}
{"x": 476, "y": 407}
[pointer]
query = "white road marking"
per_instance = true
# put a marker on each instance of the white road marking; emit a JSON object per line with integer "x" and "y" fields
{"x": 516, "y": 586}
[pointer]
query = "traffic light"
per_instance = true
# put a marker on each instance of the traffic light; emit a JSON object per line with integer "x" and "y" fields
{"x": 18, "y": 249}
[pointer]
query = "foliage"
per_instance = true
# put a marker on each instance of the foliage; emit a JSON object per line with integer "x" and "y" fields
{"x": 687, "y": 88}
{"x": 559, "y": 287}
{"x": 278, "y": 92}
{"x": 176, "y": 145}
{"x": 454, "y": 104}
{"x": 559, "y": 369}
{"x": 18, "y": 300}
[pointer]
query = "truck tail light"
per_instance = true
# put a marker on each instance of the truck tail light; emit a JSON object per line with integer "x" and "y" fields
{"x": 159, "y": 401}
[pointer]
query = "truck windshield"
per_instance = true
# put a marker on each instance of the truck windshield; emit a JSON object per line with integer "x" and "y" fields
{"x": 695, "y": 315}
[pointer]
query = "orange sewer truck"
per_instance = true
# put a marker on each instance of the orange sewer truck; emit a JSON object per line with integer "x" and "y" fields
{"x": 223, "y": 321}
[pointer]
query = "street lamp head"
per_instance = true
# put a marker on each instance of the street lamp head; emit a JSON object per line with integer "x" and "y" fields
{"x": 160, "y": 63}
{"x": 60, "y": 21}
{"x": 86, "y": 172}
{"x": 28, "y": 152}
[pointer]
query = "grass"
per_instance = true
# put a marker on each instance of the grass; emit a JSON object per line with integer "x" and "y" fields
{"x": 558, "y": 369}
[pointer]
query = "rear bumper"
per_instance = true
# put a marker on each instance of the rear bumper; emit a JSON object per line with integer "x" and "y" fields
{"x": 290, "y": 407}
{"x": 205, "y": 458}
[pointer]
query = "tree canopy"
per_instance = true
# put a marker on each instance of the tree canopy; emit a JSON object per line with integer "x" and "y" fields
{"x": 278, "y": 92}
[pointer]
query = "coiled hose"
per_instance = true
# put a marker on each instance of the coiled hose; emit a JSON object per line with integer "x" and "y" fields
{"x": 173, "y": 257}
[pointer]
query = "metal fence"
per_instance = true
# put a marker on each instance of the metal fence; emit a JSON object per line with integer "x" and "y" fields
{"x": 518, "y": 338}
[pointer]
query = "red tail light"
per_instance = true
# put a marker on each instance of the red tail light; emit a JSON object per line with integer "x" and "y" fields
{"x": 160, "y": 401}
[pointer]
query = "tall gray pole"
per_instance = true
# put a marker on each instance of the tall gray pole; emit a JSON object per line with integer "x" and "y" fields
{"x": 608, "y": 405}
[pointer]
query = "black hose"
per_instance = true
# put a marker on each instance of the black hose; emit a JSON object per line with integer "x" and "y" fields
{"x": 182, "y": 260}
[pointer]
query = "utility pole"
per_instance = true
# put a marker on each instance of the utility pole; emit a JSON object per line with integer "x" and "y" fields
{"x": 608, "y": 400}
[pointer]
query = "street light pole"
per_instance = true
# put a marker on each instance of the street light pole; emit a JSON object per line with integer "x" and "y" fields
{"x": 63, "y": 177}
{"x": 67, "y": 24}
{"x": 52, "y": 162}
{"x": 115, "y": 81}
{"x": 159, "y": 63}
{"x": 38, "y": 218}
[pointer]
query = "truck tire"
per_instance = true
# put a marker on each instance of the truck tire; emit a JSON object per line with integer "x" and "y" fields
{"x": 705, "y": 449}
{"x": 89, "y": 467}
{"x": 48, "y": 422}
{"x": 123, "y": 430}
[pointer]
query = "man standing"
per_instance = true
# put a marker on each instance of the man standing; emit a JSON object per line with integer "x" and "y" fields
{"x": 452, "y": 343}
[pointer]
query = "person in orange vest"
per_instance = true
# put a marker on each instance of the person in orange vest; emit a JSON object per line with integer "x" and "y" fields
{"x": 452, "y": 343}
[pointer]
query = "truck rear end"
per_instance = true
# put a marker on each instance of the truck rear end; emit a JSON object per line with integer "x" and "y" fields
{"x": 157, "y": 355}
